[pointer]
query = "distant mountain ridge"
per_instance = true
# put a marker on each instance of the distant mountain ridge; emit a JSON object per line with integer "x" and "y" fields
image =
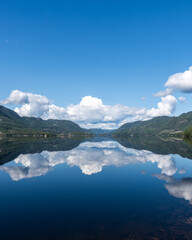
{"x": 99, "y": 131}
{"x": 12, "y": 123}
{"x": 157, "y": 126}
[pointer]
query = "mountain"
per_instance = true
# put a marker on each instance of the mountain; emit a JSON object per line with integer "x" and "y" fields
{"x": 99, "y": 131}
{"x": 12, "y": 123}
{"x": 158, "y": 126}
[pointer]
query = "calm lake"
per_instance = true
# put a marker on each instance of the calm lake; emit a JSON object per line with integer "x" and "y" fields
{"x": 95, "y": 189}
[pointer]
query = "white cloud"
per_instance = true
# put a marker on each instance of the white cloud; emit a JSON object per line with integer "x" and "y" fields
{"x": 19, "y": 97}
{"x": 90, "y": 157}
{"x": 32, "y": 104}
{"x": 91, "y": 112}
{"x": 181, "y": 81}
{"x": 165, "y": 107}
{"x": 163, "y": 93}
{"x": 182, "y": 99}
{"x": 108, "y": 125}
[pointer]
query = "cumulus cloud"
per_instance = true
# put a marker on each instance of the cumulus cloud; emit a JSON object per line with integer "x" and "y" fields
{"x": 90, "y": 157}
{"x": 32, "y": 104}
{"x": 181, "y": 82}
{"x": 165, "y": 107}
{"x": 19, "y": 97}
{"x": 91, "y": 112}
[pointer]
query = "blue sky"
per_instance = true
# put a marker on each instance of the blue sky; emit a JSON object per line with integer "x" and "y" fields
{"x": 117, "y": 51}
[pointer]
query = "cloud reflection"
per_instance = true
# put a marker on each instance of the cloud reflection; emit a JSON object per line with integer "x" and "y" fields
{"x": 179, "y": 188}
{"x": 90, "y": 157}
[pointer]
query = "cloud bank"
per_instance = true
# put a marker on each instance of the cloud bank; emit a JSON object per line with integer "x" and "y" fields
{"x": 90, "y": 112}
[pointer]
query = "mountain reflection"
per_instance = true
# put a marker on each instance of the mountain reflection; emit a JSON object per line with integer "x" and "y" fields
{"x": 90, "y": 157}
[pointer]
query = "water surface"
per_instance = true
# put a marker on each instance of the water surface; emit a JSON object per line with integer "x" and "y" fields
{"x": 96, "y": 189}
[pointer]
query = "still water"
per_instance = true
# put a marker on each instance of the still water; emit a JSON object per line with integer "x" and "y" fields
{"x": 95, "y": 189}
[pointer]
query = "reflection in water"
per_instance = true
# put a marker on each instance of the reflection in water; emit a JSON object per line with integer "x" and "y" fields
{"x": 90, "y": 157}
{"x": 124, "y": 204}
{"x": 179, "y": 188}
